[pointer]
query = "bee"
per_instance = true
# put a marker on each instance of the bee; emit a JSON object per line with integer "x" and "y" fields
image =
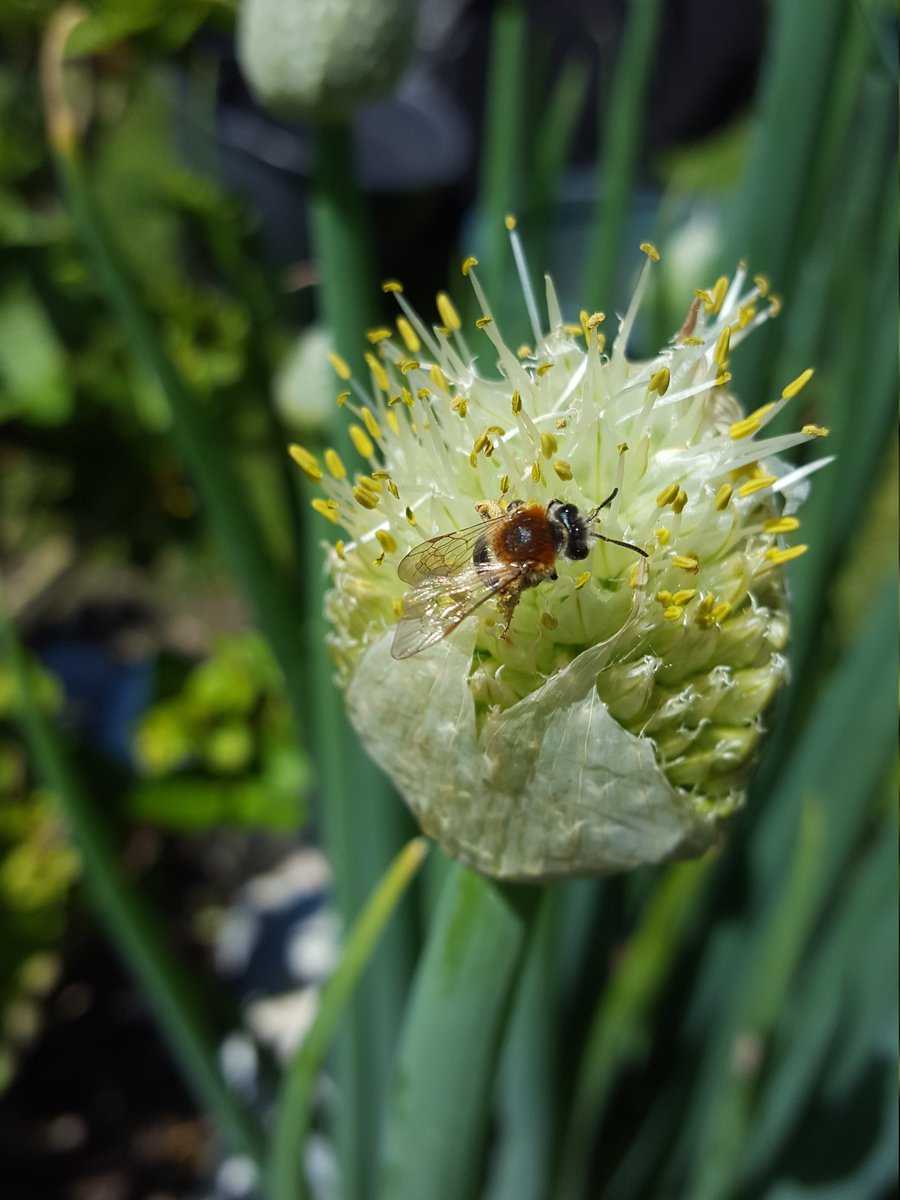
{"x": 515, "y": 548}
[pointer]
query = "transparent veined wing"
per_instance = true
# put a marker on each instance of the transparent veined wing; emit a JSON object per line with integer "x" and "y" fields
{"x": 444, "y": 555}
{"x": 435, "y": 608}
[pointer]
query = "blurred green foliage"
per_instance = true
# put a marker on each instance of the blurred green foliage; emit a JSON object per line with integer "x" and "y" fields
{"x": 221, "y": 749}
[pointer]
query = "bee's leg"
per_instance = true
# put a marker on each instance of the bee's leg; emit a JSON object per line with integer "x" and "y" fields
{"x": 507, "y": 605}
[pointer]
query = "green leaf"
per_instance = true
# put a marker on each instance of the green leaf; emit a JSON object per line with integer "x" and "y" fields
{"x": 33, "y": 378}
{"x": 439, "y": 1101}
{"x": 622, "y": 124}
{"x": 295, "y": 1098}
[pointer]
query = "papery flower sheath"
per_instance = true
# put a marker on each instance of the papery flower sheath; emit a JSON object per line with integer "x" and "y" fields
{"x": 615, "y": 722}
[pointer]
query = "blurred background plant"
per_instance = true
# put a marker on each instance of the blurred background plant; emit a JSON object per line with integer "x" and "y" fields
{"x": 179, "y": 261}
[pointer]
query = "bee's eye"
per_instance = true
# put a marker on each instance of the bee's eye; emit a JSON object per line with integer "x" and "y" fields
{"x": 567, "y": 513}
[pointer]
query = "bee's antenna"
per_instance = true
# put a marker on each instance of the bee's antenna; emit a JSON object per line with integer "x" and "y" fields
{"x": 592, "y": 515}
{"x": 627, "y": 545}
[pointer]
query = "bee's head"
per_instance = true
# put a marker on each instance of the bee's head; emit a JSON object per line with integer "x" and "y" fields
{"x": 570, "y": 529}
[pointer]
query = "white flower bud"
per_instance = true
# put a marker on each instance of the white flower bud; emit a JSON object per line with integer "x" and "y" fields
{"x": 321, "y": 58}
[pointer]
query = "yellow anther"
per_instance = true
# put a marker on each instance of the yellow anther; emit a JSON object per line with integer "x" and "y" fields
{"x": 815, "y": 431}
{"x": 342, "y": 398}
{"x": 664, "y": 597}
{"x": 483, "y": 322}
{"x": 335, "y": 464}
{"x": 651, "y": 251}
{"x": 378, "y": 559}
{"x": 798, "y": 384}
{"x": 372, "y": 482}
{"x": 756, "y": 485}
{"x": 685, "y": 596}
{"x": 719, "y": 290}
{"x": 706, "y": 605}
{"x": 745, "y": 427}
{"x": 393, "y": 489}
{"x": 686, "y": 562}
{"x": 762, "y": 284}
{"x": 422, "y": 393}
{"x": 663, "y": 535}
{"x": 563, "y": 469}
{"x": 510, "y": 222}
{"x": 549, "y": 621}
{"x": 360, "y": 440}
{"x": 561, "y": 423}
{"x": 378, "y": 372}
{"x": 583, "y": 321}
{"x": 582, "y": 579}
{"x": 504, "y": 484}
{"x": 308, "y": 463}
{"x": 372, "y": 427}
{"x": 704, "y": 295}
{"x": 408, "y": 364}
{"x": 393, "y": 423}
{"x": 325, "y": 508}
{"x": 692, "y": 340}
{"x": 409, "y": 335}
{"x": 460, "y": 405}
{"x": 549, "y": 445}
{"x": 386, "y": 541}
{"x": 516, "y": 402}
{"x": 571, "y": 328}
{"x": 392, "y": 285}
{"x": 447, "y": 312}
{"x": 723, "y": 495}
{"x": 673, "y": 613}
{"x": 680, "y": 501}
{"x": 524, "y": 351}
{"x": 595, "y": 319}
{"x": 536, "y": 471}
{"x": 438, "y": 378}
{"x": 721, "y": 611}
{"x": 659, "y": 381}
{"x": 364, "y": 497}
{"x": 637, "y": 574}
{"x": 468, "y": 264}
{"x": 781, "y": 525}
{"x": 621, "y": 448}
{"x": 480, "y": 442}
{"x": 722, "y": 379}
{"x": 746, "y": 313}
{"x": 397, "y": 606}
{"x": 340, "y": 550}
{"x": 667, "y": 495}
{"x": 378, "y": 335}
{"x": 723, "y": 346}
{"x": 778, "y": 557}
{"x": 774, "y": 305}
{"x": 410, "y": 515}
{"x": 340, "y": 365}
{"x": 542, "y": 368}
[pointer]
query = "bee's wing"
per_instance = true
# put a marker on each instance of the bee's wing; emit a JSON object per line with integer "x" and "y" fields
{"x": 444, "y": 555}
{"x": 440, "y": 603}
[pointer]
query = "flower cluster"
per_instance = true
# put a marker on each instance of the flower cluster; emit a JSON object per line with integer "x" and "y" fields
{"x": 614, "y": 724}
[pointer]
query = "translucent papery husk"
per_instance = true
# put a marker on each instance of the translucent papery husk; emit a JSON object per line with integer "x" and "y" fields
{"x": 552, "y": 787}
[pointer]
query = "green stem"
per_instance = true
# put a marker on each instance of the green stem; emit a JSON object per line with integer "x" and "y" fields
{"x": 294, "y": 1102}
{"x": 132, "y": 927}
{"x": 364, "y": 822}
{"x": 445, "y": 1069}
{"x": 622, "y": 129}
